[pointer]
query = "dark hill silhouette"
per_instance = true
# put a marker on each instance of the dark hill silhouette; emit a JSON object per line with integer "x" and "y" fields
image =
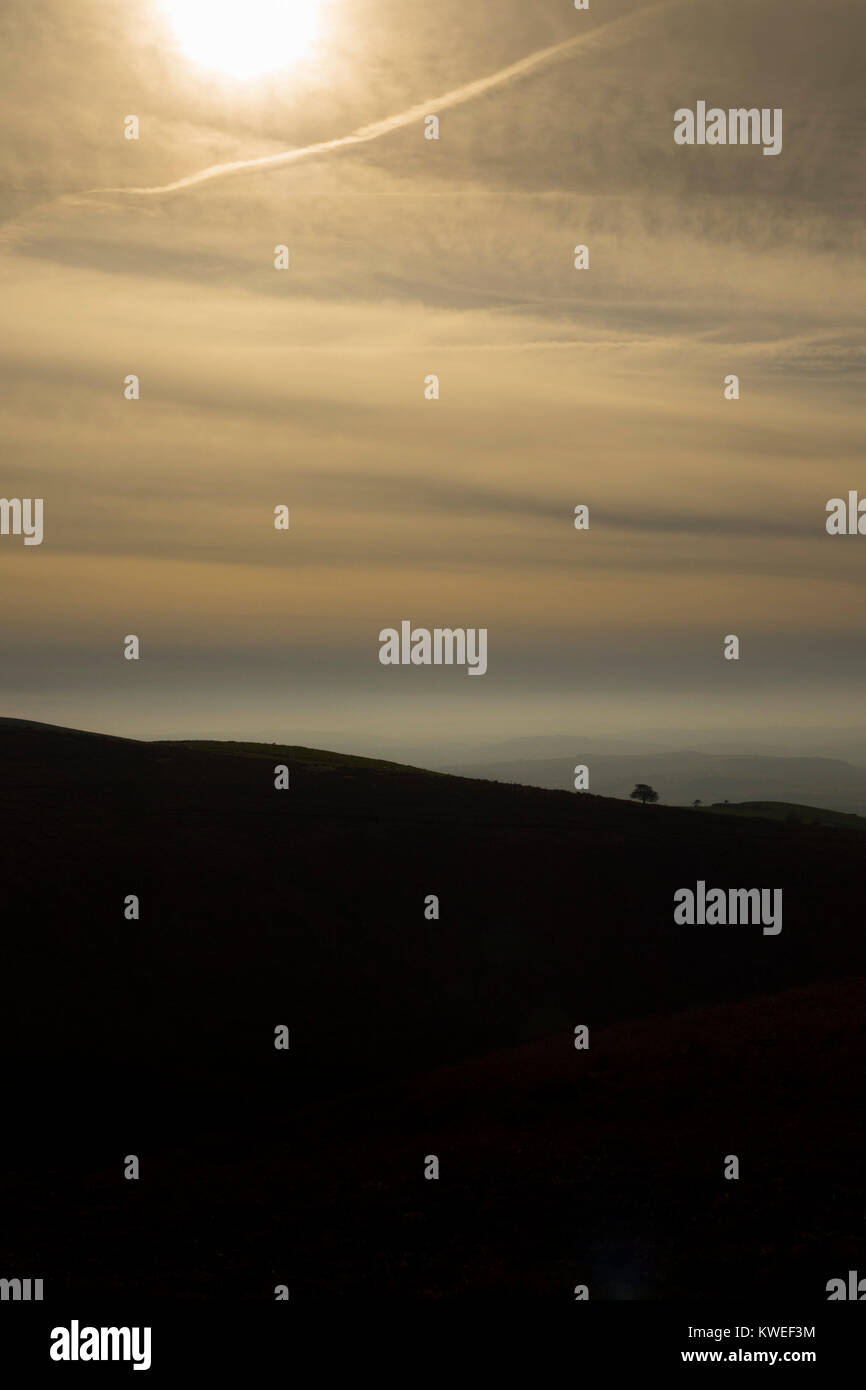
{"x": 558, "y": 1167}
{"x": 305, "y": 907}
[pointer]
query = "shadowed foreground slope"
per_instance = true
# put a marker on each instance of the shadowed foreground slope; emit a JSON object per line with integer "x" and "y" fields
{"x": 558, "y": 1167}
{"x": 306, "y": 907}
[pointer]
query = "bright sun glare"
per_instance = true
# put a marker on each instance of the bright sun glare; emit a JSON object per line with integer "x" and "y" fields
{"x": 244, "y": 38}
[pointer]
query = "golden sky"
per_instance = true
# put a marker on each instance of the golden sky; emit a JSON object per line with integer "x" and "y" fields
{"x": 454, "y": 257}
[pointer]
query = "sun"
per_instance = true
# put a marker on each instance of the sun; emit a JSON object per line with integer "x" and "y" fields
{"x": 244, "y": 38}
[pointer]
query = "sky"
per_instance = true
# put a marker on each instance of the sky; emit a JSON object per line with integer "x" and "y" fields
{"x": 454, "y": 257}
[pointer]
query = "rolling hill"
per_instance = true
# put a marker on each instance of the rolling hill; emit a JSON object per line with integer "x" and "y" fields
{"x": 306, "y": 907}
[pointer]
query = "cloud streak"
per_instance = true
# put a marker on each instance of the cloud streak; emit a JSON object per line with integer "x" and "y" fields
{"x": 533, "y": 62}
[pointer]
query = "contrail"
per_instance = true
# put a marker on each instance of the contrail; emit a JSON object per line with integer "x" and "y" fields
{"x": 532, "y": 63}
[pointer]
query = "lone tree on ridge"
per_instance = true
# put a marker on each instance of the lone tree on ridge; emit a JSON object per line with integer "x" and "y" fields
{"x": 643, "y": 794}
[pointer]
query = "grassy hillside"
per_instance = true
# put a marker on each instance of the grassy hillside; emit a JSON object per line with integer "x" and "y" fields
{"x": 557, "y": 1167}
{"x": 306, "y": 907}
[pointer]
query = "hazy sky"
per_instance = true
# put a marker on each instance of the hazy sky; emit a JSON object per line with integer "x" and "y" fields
{"x": 454, "y": 257}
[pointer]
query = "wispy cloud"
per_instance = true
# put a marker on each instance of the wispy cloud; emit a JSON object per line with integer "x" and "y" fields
{"x": 601, "y": 36}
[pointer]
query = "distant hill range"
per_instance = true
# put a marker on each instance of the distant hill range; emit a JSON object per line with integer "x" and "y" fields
{"x": 788, "y": 812}
{"x": 682, "y": 778}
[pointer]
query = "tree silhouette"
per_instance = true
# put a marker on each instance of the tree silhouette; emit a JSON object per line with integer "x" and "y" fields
{"x": 696, "y": 803}
{"x": 643, "y": 793}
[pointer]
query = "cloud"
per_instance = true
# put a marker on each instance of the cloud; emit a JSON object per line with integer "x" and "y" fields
{"x": 412, "y": 257}
{"x": 592, "y": 40}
